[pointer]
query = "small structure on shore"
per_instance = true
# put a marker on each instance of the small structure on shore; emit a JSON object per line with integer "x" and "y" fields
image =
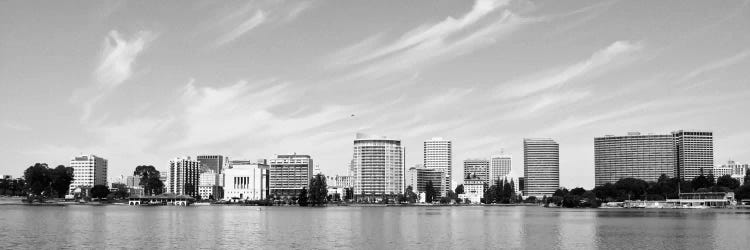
{"x": 162, "y": 199}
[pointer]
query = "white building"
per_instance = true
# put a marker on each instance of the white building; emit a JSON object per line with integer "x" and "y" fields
{"x": 438, "y": 155}
{"x": 246, "y": 180}
{"x": 735, "y": 169}
{"x": 88, "y": 171}
{"x": 541, "y": 167}
{"x": 500, "y": 166}
{"x": 378, "y": 167}
{"x": 473, "y": 190}
{"x": 208, "y": 185}
{"x": 182, "y": 176}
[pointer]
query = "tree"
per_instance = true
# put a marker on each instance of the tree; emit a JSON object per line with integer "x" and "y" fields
{"x": 61, "y": 178}
{"x": 728, "y": 181}
{"x": 411, "y": 197}
{"x": 490, "y": 194}
{"x": 318, "y": 190}
{"x": 460, "y": 189}
{"x": 747, "y": 177}
{"x": 302, "y": 200}
{"x": 429, "y": 192}
{"x": 99, "y": 191}
{"x": 122, "y": 190}
{"x": 632, "y": 188}
{"x": 700, "y": 181}
{"x": 743, "y": 192}
{"x": 38, "y": 180}
{"x": 150, "y": 181}
{"x": 577, "y": 191}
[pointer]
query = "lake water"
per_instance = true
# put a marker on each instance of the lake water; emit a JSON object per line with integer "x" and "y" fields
{"x": 370, "y": 228}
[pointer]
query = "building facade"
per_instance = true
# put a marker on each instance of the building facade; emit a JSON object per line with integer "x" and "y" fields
{"x": 208, "y": 185}
{"x": 419, "y": 177}
{"x": 215, "y": 163}
{"x": 694, "y": 153}
{"x": 246, "y": 180}
{"x": 88, "y": 171}
{"x": 500, "y": 167}
{"x": 477, "y": 169}
{"x": 438, "y": 155}
{"x": 541, "y": 167}
{"x": 734, "y": 169}
{"x": 644, "y": 157}
{"x": 288, "y": 174}
{"x": 182, "y": 176}
{"x": 378, "y": 167}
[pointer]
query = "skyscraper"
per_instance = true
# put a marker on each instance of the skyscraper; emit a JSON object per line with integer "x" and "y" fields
{"x": 182, "y": 176}
{"x": 477, "y": 169}
{"x": 541, "y": 167}
{"x": 694, "y": 153}
{"x": 500, "y": 166}
{"x": 288, "y": 174}
{"x": 417, "y": 177}
{"x": 438, "y": 155}
{"x": 378, "y": 167}
{"x": 215, "y": 163}
{"x": 88, "y": 171}
{"x": 644, "y": 157}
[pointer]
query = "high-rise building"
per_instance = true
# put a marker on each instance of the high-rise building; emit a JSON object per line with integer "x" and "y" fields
{"x": 88, "y": 171}
{"x": 208, "y": 185}
{"x": 438, "y": 155}
{"x": 477, "y": 169}
{"x": 734, "y": 169}
{"x": 694, "y": 152}
{"x": 289, "y": 174}
{"x": 500, "y": 166}
{"x": 215, "y": 163}
{"x": 247, "y": 180}
{"x": 541, "y": 167}
{"x": 418, "y": 177}
{"x": 378, "y": 167}
{"x": 644, "y": 157}
{"x": 182, "y": 176}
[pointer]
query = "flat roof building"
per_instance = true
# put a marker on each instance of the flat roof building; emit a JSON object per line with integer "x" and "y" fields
{"x": 644, "y": 157}
{"x": 288, "y": 174}
{"x": 541, "y": 167}
{"x": 438, "y": 155}
{"x": 378, "y": 167}
{"x": 88, "y": 171}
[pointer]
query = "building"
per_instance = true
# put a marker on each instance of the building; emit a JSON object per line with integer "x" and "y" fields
{"x": 500, "y": 166}
{"x": 246, "y": 180}
{"x": 417, "y": 177}
{"x": 541, "y": 167}
{"x": 477, "y": 169}
{"x": 133, "y": 181}
{"x": 208, "y": 185}
{"x": 694, "y": 153}
{"x": 289, "y": 174}
{"x": 734, "y": 169}
{"x": 378, "y": 167}
{"x": 473, "y": 190}
{"x": 520, "y": 184}
{"x": 344, "y": 181}
{"x": 644, "y": 157}
{"x": 182, "y": 176}
{"x": 88, "y": 171}
{"x": 216, "y": 163}
{"x": 438, "y": 155}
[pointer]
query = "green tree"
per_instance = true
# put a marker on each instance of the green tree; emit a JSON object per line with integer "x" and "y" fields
{"x": 318, "y": 190}
{"x": 699, "y": 182}
{"x": 631, "y": 188}
{"x": 61, "y": 178}
{"x": 747, "y": 177}
{"x": 99, "y": 191}
{"x": 122, "y": 190}
{"x": 429, "y": 192}
{"x": 38, "y": 181}
{"x": 150, "y": 181}
{"x": 411, "y": 197}
{"x": 302, "y": 199}
{"x": 728, "y": 181}
{"x": 743, "y": 192}
{"x": 460, "y": 189}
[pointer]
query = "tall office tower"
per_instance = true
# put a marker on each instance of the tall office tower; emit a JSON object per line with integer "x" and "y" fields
{"x": 477, "y": 169}
{"x": 216, "y": 163}
{"x": 438, "y": 155}
{"x": 88, "y": 171}
{"x": 694, "y": 152}
{"x": 418, "y": 176}
{"x": 379, "y": 167}
{"x": 288, "y": 174}
{"x": 247, "y": 180}
{"x": 644, "y": 157}
{"x": 541, "y": 167}
{"x": 500, "y": 166}
{"x": 182, "y": 176}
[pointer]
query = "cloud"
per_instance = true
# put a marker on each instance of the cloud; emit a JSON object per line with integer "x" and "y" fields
{"x": 428, "y": 44}
{"x": 249, "y": 24}
{"x": 118, "y": 56}
{"x": 716, "y": 65}
{"x": 616, "y": 52}
{"x": 16, "y": 126}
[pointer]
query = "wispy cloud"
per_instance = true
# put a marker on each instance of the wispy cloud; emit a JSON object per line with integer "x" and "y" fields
{"x": 428, "y": 44}
{"x": 716, "y": 65}
{"x": 115, "y": 66}
{"x": 617, "y": 52}
{"x": 251, "y": 23}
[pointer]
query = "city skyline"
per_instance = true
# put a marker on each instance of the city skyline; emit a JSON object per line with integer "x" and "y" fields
{"x": 259, "y": 79}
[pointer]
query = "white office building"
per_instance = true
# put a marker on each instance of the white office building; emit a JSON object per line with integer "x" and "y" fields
{"x": 500, "y": 167}
{"x": 182, "y": 176}
{"x": 378, "y": 167}
{"x": 246, "y": 180}
{"x": 438, "y": 155}
{"x": 88, "y": 171}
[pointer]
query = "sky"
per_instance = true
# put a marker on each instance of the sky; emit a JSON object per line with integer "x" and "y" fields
{"x": 143, "y": 82}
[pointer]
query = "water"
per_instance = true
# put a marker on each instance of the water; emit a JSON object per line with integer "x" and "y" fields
{"x": 370, "y": 228}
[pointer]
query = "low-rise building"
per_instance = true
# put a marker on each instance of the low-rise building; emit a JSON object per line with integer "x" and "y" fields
{"x": 246, "y": 180}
